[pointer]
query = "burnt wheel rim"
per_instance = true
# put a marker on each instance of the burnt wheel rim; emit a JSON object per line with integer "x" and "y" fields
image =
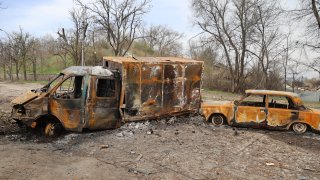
{"x": 299, "y": 128}
{"x": 49, "y": 130}
{"x": 217, "y": 120}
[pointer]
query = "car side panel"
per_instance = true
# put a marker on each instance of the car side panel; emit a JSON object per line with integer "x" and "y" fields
{"x": 282, "y": 117}
{"x": 226, "y": 110}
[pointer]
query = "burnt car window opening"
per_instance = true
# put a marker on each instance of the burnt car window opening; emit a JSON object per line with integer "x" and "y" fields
{"x": 281, "y": 102}
{"x": 105, "y": 88}
{"x": 71, "y": 88}
{"x": 254, "y": 100}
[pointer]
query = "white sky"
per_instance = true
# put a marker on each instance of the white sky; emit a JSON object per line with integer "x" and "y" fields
{"x": 40, "y": 17}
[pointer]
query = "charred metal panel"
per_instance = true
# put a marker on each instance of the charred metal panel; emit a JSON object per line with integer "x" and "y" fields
{"x": 269, "y": 117}
{"x": 151, "y": 85}
{"x": 102, "y": 112}
{"x": 131, "y": 83}
{"x": 67, "y": 111}
{"x": 250, "y": 114}
{"x": 172, "y": 87}
{"x": 281, "y": 117}
{"x": 192, "y": 85}
{"x": 155, "y": 87}
{"x": 218, "y": 107}
{"x": 34, "y": 110}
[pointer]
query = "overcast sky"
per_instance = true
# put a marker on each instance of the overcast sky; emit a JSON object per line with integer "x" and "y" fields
{"x": 41, "y": 17}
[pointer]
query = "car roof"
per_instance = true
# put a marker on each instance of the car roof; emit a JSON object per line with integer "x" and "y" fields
{"x": 293, "y": 96}
{"x": 271, "y": 92}
{"x": 83, "y": 70}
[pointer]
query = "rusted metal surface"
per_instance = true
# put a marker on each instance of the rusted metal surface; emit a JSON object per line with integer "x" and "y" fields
{"x": 157, "y": 86}
{"x": 125, "y": 89}
{"x": 270, "y": 114}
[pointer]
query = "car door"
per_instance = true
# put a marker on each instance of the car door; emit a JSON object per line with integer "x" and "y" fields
{"x": 281, "y": 112}
{"x": 251, "y": 111}
{"x": 103, "y": 103}
{"x": 65, "y": 102}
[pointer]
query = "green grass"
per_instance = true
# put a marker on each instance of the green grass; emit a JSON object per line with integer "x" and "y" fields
{"x": 219, "y": 95}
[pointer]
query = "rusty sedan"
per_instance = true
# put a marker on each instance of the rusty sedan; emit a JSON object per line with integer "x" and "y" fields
{"x": 264, "y": 109}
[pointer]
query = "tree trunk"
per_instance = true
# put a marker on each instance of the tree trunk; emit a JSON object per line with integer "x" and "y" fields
{"x": 4, "y": 72}
{"x": 293, "y": 81}
{"x": 11, "y": 70}
{"x": 17, "y": 71}
{"x": 34, "y": 70}
{"x": 266, "y": 86}
{"x": 285, "y": 79}
{"x": 24, "y": 70}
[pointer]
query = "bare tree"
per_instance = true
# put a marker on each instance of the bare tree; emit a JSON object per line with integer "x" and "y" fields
{"x": 72, "y": 41}
{"x": 267, "y": 38}
{"x": 294, "y": 69}
{"x": 33, "y": 56}
{"x": 231, "y": 24}
{"x": 6, "y": 57}
{"x": 119, "y": 19}
{"x": 22, "y": 45}
{"x": 308, "y": 12}
{"x": 3, "y": 58}
{"x": 163, "y": 40}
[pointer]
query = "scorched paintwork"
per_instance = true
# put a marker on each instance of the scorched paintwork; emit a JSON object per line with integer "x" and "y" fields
{"x": 267, "y": 114}
{"x": 103, "y": 97}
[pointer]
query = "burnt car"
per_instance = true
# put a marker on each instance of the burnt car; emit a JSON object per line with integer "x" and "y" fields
{"x": 104, "y": 97}
{"x": 264, "y": 109}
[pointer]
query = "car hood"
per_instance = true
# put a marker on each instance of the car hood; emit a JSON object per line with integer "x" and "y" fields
{"x": 315, "y": 110}
{"x": 24, "y": 98}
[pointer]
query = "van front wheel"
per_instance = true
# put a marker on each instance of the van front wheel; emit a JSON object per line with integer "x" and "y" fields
{"x": 52, "y": 129}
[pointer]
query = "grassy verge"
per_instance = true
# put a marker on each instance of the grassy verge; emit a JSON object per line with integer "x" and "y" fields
{"x": 28, "y": 81}
{"x": 219, "y": 95}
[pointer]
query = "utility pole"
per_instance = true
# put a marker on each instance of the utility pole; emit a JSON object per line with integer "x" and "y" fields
{"x": 84, "y": 30}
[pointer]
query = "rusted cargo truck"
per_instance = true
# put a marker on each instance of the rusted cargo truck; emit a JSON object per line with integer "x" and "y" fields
{"x": 103, "y": 97}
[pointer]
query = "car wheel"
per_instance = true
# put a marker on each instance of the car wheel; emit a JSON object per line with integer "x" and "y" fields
{"x": 52, "y": 129}
{"x": 217, "y": 120}
{"x": 299, "y": 128}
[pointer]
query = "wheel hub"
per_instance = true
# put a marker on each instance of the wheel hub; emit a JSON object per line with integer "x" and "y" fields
{"x": 218, "y": 120}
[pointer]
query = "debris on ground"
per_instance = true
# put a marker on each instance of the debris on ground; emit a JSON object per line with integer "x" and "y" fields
{"x": 104, "y": 146}
{"x": 179, "y": 148}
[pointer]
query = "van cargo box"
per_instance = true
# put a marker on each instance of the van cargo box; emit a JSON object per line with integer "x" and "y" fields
{"x": 157, "y": 86}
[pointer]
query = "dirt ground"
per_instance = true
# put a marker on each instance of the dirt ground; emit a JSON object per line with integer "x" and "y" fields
{"x": 175, "y": 148}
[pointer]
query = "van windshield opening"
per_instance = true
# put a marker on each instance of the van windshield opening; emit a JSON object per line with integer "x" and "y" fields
{"x": 52, "y": 83}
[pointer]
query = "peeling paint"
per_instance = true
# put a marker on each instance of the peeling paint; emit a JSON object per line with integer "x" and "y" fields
{"x": 132, "y": 89}
{"x": 238, "y": 114}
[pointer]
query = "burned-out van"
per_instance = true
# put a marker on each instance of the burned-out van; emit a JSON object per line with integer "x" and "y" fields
{"x": 103, "y": 97}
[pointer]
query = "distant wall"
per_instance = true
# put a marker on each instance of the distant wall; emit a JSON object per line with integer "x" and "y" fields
{"x": 310, "y": 96}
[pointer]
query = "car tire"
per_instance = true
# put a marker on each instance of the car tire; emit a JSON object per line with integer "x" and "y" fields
{"x": 217, "y": 119}
{"x": 52, "y": 129}
{"x": 299, "y": 128}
